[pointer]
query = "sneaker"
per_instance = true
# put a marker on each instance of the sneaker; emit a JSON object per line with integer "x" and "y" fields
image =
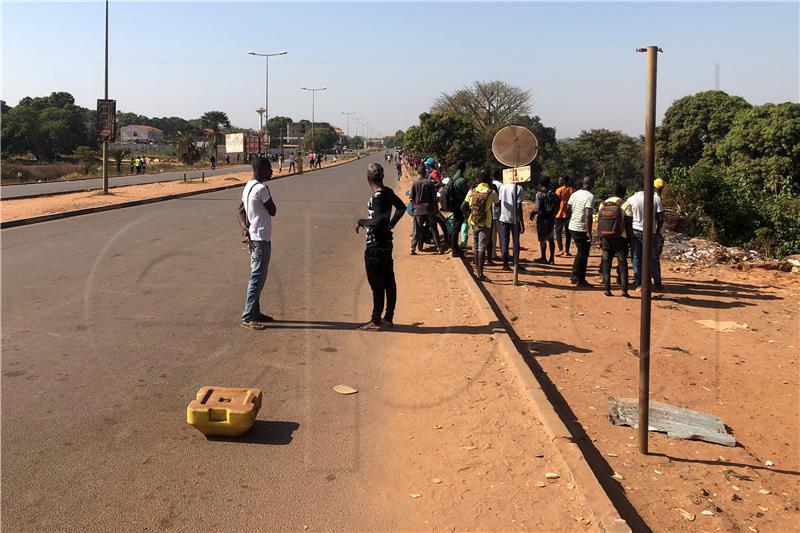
{"x": 607, "y": 293}
{"x": 260, "y": 317}
{"x": 626, "y": 295}
{"x": 581, "y": 284}
{"x": 573, "y": 281}
{"x": 249, "y": 324}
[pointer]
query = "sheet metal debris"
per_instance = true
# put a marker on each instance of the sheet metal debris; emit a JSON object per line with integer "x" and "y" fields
{"x": 676, "y": 422}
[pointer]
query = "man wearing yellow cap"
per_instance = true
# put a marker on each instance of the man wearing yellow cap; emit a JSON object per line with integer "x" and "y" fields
{"x": 658, "y": 185}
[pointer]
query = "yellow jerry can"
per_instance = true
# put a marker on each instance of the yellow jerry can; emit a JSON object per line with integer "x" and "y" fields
{"x": 224, "y": 411}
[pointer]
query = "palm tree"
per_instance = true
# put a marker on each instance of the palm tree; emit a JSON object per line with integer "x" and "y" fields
{"x": 215, "y": 121}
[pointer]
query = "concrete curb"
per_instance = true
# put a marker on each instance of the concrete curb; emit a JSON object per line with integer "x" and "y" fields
{"x": 607, "y": 518}
{"x": 99, "y": 209}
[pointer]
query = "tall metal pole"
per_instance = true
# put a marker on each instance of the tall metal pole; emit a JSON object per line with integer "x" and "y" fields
{"x": 313, "y": 104}
{"x": 348, "y": 113}
{"x": 647, "y": 246}
{"x": 265, "y": 127}
{"x": 105, "y": 143}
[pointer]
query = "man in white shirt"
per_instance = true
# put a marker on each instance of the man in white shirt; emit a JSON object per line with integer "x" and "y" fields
{"x": 255, "y": 218}
{"x": 636, "y": 202}
{"x": 580, "y": 208}
{"x": 509, "y": 215}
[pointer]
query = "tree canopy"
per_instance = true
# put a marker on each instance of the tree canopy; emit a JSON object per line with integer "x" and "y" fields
{"x": 485, "y": 104}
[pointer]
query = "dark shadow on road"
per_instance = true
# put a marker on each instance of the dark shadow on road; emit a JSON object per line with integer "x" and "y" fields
{"x": 545, "y": 348}
{"x": 269, "y": 432}
{"x": 600, "y": 467}
{"x": 416, "y": 327}
{"x": 726, "y": 463}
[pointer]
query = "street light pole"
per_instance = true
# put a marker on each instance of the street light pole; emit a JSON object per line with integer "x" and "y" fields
{"x": 105, "y": 143}
{"x": 348, "y": 122}
{"x": 647, "y": 246}
{"x": 313, "y": 103}
{"x": 266, "y": 86}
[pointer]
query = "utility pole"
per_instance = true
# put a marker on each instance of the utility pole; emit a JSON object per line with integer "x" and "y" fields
{"x": 266, "y": 88}
{"x": 313, "y": 103}
{"x": 647, "y": 245}
{"x": 348, "y": 122}
{"x": 105, "y": 143}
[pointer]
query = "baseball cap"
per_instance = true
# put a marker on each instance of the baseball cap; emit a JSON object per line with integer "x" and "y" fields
{"x": 658, "y": 183}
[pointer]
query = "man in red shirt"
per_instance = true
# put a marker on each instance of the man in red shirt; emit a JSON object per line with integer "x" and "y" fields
{"x": 563, "y": 192}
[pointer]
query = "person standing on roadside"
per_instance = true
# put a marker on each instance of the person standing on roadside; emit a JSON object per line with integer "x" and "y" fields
{"x": 658, "y": 186}
{"x": 563, "y": 192}
{"x": 580, "y": 208}
{"x": 138, "y": 164}
{"x": 255, "y": 218}
{"x": 637, "y": 206}
{"x": 423, "y": 198}
{"x": 292, "y": 165}
{"x": 378, "y": 254}
{"x": 399, "y": 167}
{"x": 477, "y": 208}
{"x": 615, "y": 226}
{"x": 545, "y": 208}
{"x": 510, "y": 215}
{"x": 460, "y": 188}
{"x": 494, "y": 241}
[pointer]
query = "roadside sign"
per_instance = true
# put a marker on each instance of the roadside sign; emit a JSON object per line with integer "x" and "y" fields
{"x": 106, "y": 120}
{"x": 517, "y": 175}
{"x": 234, "y": 143}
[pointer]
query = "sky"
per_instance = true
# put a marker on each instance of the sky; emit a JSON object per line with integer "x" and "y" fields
{"x": 387, "y": 62}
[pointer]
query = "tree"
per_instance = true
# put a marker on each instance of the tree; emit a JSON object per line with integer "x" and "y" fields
{"x": 446, "y": 136}
{"x": 277, "y": 130}
{"x": 614, "y": 156}
{"x": 87, "y": 157}
{"x": 118, "y": 154}
{"x": 485, "y": 104}
{"x": 215, "y": 121}
{"x": 323, "y": 139}
{"x": 395, "y": 140}
{"x": 693, "y": 125}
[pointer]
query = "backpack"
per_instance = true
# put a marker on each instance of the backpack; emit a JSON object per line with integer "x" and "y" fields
{"x": 548, "y": 204}
{"x": 448, "y": 195}
{"x": 478, "y": 209}
{"x": 609, "y": 220}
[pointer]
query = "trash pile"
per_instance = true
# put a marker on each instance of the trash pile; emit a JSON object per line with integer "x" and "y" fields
{"x": 699, "y": 252}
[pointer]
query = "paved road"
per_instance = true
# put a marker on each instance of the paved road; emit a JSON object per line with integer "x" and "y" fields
{"x": 112, "y": 321}
{"x": 55, "y": 187}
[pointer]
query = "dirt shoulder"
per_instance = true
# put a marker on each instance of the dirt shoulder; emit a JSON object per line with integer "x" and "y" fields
{"x": 16, "y": 209}
{"x": 578, "y": 340}
{"x": 463, "y": 449}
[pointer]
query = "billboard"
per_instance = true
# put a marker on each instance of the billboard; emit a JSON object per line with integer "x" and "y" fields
{"x": 234, "y": 143}
{"x": 106, "y": 120}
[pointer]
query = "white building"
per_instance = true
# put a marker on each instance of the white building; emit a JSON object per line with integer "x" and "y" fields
{"x": 140, "y": 133}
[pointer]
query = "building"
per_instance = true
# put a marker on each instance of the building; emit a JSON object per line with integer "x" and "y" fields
{"x": 295, "y": 131}
{"x": 141, "y": 134}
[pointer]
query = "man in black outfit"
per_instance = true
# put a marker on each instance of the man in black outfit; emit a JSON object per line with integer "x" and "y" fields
{"x": 378, "y": 254}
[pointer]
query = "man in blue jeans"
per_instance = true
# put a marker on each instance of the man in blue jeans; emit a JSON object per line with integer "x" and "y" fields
{"x": 637, "y": 206}
{"x": 255, "y": 218}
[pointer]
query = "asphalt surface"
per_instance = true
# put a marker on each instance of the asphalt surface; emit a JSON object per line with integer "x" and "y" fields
{"x": 112, "y": 321}
{"x": 56, "y": 187}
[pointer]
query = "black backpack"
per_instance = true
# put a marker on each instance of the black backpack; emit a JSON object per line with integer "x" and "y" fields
{"x": 450, "y": 202}
{"x": 548, "y": 204}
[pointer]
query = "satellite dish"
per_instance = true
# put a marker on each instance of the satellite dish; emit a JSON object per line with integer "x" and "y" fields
{"x": 515, "y": 146}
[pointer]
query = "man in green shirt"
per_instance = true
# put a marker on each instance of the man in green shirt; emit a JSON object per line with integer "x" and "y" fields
{"x": 460, "y": 188}
{"x": 477, "y": 208}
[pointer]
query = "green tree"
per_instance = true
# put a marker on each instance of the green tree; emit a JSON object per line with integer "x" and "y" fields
{"x": 693, "y": 125}
{"x": 87, "y": 157}
{"x": 215, "y": 122}
{"x": 323, "y": 139}
{"x": 118, "y": 154}
{"x": 446, "y": 136}
{"x": 277, "y": 130}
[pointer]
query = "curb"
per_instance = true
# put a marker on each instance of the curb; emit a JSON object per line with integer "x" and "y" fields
{"x": 99, "y": 209}
{"x": 607, "y": 518}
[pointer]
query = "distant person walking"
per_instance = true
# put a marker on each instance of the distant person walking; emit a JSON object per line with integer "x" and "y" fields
{"x": 580, "y": 208}
{"x": 563, "y": 192}
{"x": 255, "y": 218}
{"x": 213, "y": 161}
{"x": 378, "y": 260}
{"x": 280, "y": 162}
{"x": 399, "y": 167}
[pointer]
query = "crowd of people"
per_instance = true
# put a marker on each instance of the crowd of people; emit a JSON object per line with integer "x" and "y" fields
{"x": 491, "y": 211}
